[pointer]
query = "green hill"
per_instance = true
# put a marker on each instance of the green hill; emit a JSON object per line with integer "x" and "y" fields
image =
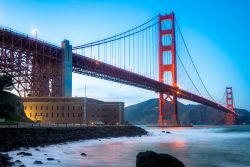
{"x": 147, "y": 113}
{"x": 11, "y": 107}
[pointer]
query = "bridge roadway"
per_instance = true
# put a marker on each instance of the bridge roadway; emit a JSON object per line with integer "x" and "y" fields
{"x": 87, "y": 66}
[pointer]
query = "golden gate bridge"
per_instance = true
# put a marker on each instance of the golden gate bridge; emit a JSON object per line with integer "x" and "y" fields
{"x": 152, "y": 56}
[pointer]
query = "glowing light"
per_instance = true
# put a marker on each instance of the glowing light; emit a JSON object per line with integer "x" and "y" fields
{"x": 34, "y": 32}
{"x": 113, "y": 62}
{"x": 92, "y": 55}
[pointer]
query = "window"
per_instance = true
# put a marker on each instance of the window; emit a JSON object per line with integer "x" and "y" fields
{"x": 79, "y": 107}
{"x": 73, "y": 107}
{"x": 30, "y": 107}
{"x": 57, "y": 114}
{"x": 46, "y": 114}
{"x": 25, "y": 107}
{"x": 68, "y": 107}
{"x": 57, "y": 108}
{"x": 62, "y": 107}
{"x": 78, "y": 114}
{"x": 68, "y": 114}
{"x": 51, "y": 107}
{"x": 62, "y": 114}
{"x": 73, "y": 114}
{"x": 41, "y": 107}
{"x": 41, "y": 114}
{"x": 30, "y": 115}
{"x": 36, "y": 107}
{"x": 36, "y": 114}
{"x": 47, "y": 107}
{"x": 52, "y": 114}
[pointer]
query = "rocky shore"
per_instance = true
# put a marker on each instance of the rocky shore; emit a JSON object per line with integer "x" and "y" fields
{"x": 13, "y": 138}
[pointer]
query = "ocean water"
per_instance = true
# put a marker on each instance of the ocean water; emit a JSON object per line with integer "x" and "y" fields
{"x": 204, "y": 146}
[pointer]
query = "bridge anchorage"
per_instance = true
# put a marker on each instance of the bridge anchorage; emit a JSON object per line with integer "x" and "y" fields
{"x": 152, "y": 56}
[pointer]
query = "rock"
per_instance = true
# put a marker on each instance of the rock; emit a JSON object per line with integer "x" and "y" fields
{"x": 83, "y": 154}
{"x": 24, "y": 153}
{"x": 152, "y": 159}
{"x": 168, "y": 132}
{"x": 163, "y": 131}
{"x": 5, "y": 160}
{"x": 100, "y": 140}
{"x": 12, "y": 163}
{"x": 45, "y": 154}
{"x": 37, "y": 162}
{"x": 22, "y": 166}
{"x": 18, "y": 162}
{"x": 50, "y": 159}
{"x": 37, "y": 149}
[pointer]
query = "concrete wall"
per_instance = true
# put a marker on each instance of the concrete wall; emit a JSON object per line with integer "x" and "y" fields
{"x": 67, "y": 69}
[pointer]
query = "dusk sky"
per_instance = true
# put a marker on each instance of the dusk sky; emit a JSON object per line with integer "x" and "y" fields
{"x": 216, "y": 32}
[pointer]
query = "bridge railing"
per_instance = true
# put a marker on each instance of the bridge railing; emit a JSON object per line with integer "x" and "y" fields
{"x": 25, "y": 35}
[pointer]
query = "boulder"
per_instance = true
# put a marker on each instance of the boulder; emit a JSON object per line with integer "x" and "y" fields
{"x": 24, "y": 153}
{"x": 5, "y": 160}
{"x": 152, "y": 159}
{"x": 50, "y": 159}
{"x": 37, "y": 162}
{"x": 18, "y": 162}
{"x": 83, "y": 154}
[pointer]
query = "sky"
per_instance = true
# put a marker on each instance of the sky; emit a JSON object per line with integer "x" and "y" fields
{"x": 216, "y": 32}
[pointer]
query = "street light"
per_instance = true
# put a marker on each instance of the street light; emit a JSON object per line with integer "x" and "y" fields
{"x": 34, "y": 32}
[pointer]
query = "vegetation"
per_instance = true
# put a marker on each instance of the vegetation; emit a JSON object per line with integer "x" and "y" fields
{"x": 6, "y": 82}
{"x": 11, "y": 107}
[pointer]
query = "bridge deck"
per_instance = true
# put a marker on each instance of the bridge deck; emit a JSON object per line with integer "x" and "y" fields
{"x": 91, "y": 67}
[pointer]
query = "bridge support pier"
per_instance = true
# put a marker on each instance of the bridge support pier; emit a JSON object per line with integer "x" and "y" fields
{"x": 168, "y": 110}
{"x": 67, "y": 69}
{"x": 167, "y": 51}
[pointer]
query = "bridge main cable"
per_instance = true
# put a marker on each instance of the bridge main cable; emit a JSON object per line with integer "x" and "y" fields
{"x": 119, "y": 36}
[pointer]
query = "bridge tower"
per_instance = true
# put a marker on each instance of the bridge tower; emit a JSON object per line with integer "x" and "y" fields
{"x": 167, "y": 48}
{"x": 230, "y": 118}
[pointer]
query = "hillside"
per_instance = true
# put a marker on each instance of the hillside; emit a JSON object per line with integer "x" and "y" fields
{"x": 11, "y": 107}
{"x": 147, "y": 113}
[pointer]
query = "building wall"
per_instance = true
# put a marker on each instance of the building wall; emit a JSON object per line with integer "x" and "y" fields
{"x": 107, "y": 112}
{"x": 72, "y": 110}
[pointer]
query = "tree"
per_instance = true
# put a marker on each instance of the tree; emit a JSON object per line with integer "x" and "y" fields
{"x": 6, "y": 82}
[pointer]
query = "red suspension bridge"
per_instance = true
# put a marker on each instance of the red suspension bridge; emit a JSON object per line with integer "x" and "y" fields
{"x": 152, "y": 56}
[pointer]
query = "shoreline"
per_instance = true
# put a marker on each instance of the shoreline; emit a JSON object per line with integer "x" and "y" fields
{"x": 15, "y": 138}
